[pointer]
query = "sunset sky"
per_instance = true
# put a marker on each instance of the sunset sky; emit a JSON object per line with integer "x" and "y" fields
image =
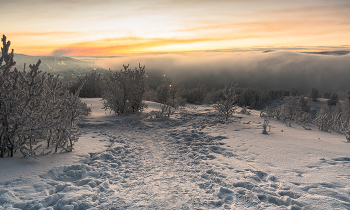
{"x": 115, "y": 27}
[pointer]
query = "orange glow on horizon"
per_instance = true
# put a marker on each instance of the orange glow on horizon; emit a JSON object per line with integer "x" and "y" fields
{"x": 134, "y": 45}
{"x": 168, "y": 27}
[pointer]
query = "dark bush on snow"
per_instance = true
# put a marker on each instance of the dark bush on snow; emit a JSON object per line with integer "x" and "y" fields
{"x": 333, "y": 100}
{"x": 326, "y": 95}
{"x": 313, "y": 94}
{"x": 93, "y": 85}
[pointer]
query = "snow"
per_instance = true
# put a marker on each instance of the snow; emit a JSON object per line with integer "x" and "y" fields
{"x": 193, "y": 160}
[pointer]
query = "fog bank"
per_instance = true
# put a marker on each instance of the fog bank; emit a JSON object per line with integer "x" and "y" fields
{"x": 273, "y": 70}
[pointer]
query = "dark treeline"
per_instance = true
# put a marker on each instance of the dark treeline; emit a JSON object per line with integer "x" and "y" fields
{"x": 161, "y": 88}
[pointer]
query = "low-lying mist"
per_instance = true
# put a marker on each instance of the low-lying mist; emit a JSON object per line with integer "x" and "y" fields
{"x": 273, "y": 70}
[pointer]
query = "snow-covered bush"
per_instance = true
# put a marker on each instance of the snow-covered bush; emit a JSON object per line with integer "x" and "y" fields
{"x": 35, "y": 108}
{"x": 227, "y": 106}
{"x": 335, "y": 118}
{"x": 165, "y": 111}
{"x": 125, "y": 90}
{"x": 292, "y": 110}
{"x": 68, "y": 109}
{"x": 288, "y": 110}
{"x": 324, "y": 118}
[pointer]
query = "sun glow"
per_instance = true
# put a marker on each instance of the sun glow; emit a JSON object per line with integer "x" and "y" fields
{"x": 118, "y": 28}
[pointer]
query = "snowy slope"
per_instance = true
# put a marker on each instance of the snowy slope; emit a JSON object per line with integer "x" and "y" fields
{"x": 191, "y": 161}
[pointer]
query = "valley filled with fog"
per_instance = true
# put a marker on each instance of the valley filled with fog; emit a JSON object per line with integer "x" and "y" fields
{"x": 326, "y": 71}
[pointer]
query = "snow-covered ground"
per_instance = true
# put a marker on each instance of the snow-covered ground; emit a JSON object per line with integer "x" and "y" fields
{"x": 191, "y": 161}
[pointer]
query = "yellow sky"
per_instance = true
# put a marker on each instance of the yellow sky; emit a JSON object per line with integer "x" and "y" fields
{"x": 115, "y": 27}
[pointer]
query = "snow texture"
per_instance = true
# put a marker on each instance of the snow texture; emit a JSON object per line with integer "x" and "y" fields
{"x": 192, "y": 160}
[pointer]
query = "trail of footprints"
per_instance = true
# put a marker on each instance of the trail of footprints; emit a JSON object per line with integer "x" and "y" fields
{"x": 166, "y": 161}
{"x": 250, "y": 188}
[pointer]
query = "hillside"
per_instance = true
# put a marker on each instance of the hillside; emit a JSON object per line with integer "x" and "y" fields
{"x": 191, "y": 161}
{"x": 68, "y": 68}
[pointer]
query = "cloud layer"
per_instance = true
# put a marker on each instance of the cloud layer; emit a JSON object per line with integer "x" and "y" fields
{"x": 271, "y": 70}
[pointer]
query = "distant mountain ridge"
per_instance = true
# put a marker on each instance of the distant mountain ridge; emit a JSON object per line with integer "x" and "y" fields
{"x": 68, "y": 68}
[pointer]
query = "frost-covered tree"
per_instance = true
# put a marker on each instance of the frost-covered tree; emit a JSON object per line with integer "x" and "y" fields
{"x": 324, "y": 118}
{"x": 8, "y": 99}
{"x": 288, "y": 110}
{"x": 35, "y": 108}
{"x": 227, "y": 105}
{"x": 125, "y": 90}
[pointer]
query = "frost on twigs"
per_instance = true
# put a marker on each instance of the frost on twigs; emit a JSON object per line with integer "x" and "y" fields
{"x": 227, "y": 105}
{"x": 125, "y": 90}
{"x": 35, "y": 109}
{"x": 293, "y": 110}
{"x": 166, "y": 111}
{"x": 335, "y": 118}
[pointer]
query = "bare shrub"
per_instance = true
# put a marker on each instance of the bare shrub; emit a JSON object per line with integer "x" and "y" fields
{"x": 227, "y": 106}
